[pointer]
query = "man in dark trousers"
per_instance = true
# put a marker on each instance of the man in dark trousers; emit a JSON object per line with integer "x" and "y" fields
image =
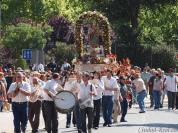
{"x": 49, "y": 106}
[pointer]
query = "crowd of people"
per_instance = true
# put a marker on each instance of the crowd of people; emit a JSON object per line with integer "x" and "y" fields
{"x": 111, "y": 93}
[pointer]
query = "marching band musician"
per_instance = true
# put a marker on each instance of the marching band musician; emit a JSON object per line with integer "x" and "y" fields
{"x": 19, "y": 92}
{"x": 85, "y": 96}
{"x": 110, "y": 85}
{"x": 35, "y": 106}
{"x": 69, "y": 87}
{"x": 49, "y": 106}
{"x": 99, "y": 85}
{"x": 77, "y": 112}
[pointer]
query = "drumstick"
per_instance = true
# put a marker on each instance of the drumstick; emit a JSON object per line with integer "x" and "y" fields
{"x": 60, "y": 98}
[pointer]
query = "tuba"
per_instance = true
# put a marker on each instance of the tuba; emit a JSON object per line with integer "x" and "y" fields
{"x": 36, "y": 96}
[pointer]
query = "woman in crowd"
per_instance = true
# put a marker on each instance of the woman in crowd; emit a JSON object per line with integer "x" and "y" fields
{"x": 141, "y": 91}
{"x": 157, "y": 88}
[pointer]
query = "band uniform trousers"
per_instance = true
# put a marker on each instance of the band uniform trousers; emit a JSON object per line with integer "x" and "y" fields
{"x": 43, "y": 113}
{"x": 77, "y": 113}
{"x": 34, "y": 115}
{"x": 51, "y": 117}
{"x": 20, "y": 113}
{"x": 89, "y": 113}
{"x": 69, "y": 116}
{"x": 96, "y": 112}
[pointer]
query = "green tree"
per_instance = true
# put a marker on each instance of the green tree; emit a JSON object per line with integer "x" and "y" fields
{"x": 31, "y": 9}
{"x": 24, "y": 36}
{"x": 63, "y": 51}
{"x": 159, "y": 26}
{"x": 41, "y": 10}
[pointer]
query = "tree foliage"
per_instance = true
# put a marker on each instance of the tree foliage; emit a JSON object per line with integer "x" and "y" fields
{"x": 62, "y": 52}
{"x": 22, "y": 36}
{"x": 159, "y": 26}
{"x": 140, "y": 25}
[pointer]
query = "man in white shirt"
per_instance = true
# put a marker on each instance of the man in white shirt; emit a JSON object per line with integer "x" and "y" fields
{"x": 110, "y": 86}
{"x": 49, "y": 106}
{"x": 85, "y": 96}
{"x": 99, "y": 85}
{"x": 19, "y": 92}
{"x": 171, "y": 87}
{"x": 35, "y": 104}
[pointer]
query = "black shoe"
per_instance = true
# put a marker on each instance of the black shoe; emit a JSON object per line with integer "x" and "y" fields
{"x": 104, "y": 125}
{"x": 34, "y": 131}
{"x": 156, "y": 108}
{"x": 95, "y": 128}
{"x": 79, "y": 131}
{"x": 109, "y": 125}
{"x": 123, "y": 121}
{"x": 67, "y": 126}
{"x": 74, "y": 125}
{"x": 142, "y": 111}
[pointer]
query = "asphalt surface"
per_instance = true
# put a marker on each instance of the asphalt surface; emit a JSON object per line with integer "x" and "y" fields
{"x": 153, "y": 121}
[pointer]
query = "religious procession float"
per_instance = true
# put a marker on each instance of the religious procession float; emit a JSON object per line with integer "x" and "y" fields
{"x": 93, "y": 44}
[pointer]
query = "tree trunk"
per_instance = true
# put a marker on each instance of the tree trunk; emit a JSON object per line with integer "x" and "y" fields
{"x": 134, "y": 7}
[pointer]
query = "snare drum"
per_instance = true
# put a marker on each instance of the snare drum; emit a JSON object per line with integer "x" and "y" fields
{"x": 65, "y": 101}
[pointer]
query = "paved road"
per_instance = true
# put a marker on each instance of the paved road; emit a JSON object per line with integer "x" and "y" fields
{"x": 159, "y": 121}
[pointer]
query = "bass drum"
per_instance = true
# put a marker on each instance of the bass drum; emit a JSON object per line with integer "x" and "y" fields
{"x": 65, "y": 101}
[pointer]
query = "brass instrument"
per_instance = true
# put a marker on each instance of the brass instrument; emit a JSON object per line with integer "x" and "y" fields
{"x": 37, "y": 95}
{"x": 59, "y": 88}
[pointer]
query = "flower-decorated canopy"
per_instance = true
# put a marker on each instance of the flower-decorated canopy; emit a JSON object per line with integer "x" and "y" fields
{"x": 103, "y": 24}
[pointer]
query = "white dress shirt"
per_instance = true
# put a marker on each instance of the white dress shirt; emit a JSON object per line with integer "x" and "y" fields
{"x": 68, "y": 86}
{"x": 84, "y": 91}
{"x": 99, "y": 85}
{"x": 109, "y": 83}
{"x": 20, "y": 97}
{"x": 51, "y": 86}
{"x": 40, "y": 88}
